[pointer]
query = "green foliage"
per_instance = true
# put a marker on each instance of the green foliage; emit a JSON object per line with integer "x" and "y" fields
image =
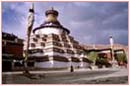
{"x": 92, "y": 56}
{"x": 101, "y": 60}
{"x": 121, "y": 57}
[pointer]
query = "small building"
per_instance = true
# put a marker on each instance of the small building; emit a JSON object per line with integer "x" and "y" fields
{"x": 106, "y": 56}
{"x": 12, "y": 51}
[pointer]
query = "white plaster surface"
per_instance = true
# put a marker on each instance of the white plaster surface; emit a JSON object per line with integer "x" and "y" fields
{"x": 49, "y": 30}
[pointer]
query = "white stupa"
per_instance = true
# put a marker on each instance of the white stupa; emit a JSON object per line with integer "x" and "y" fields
{"x": 52, "y": 47}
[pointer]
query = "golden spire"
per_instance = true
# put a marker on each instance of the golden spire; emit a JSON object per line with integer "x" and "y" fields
{"x": 51, "y": 16}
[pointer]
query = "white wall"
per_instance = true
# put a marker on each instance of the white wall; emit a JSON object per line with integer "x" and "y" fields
{"x": 51, "y": 64}
{"x": 48, "y": 53}
{"x": 37, "y": 54}
{"x": 43, "y": 64}
{"x": 85, "y": 65}
{"x": 57, "y": 64}
{"x": 75, "y": 64}
{"x": 49, "y": 30}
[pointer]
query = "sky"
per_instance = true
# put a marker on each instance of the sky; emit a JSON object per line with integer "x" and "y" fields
{"x": 88, "y": 22}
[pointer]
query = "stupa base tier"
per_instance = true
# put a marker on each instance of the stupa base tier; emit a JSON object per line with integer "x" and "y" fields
{"x": 58, "y": 64}
{"x": 48, "y": 30}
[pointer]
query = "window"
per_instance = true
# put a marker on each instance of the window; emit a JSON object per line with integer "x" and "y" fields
{"x": 71, "y": 38}
{"x": 57, "y": 44}
{"x": 43, "y": 39}
{"x": 63, "y": 37}
{"x": 37, "y": 36}
{"x": 45, "y": 35}
{"x": 79, "y": 52}
{"x": 58, "y": 50}
{"x": 56, "y": 39}
{"x": 32, "y": 45}
{"x": 65, "y": 40}
{"x": 55, "y": 36}
{"x": 35, "y": 40}
{"x": 70, "y": 51}
{"x": 43, "y": 44}
{"x": 67, "y": 45}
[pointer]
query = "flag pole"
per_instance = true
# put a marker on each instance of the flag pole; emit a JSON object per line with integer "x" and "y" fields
{"x": 30, "y": 23}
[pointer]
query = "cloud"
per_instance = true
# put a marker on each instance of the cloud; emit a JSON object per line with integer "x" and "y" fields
{"x": 89, "y": 22}
{"x": 14, "y": 17}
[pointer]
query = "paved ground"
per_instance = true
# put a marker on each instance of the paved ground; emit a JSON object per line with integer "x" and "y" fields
{"x": 80, "y": 76}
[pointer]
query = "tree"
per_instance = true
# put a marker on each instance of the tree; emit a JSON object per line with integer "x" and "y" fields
{"x": 121, "y": 57}
{"x": 93, "y": 56}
